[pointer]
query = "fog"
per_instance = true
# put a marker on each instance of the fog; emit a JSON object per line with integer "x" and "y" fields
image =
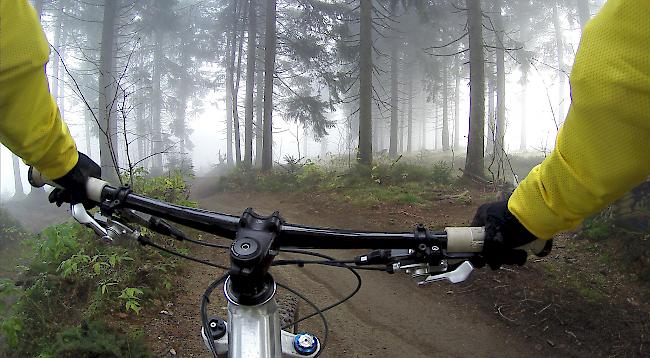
{"x": 174, "y": 69}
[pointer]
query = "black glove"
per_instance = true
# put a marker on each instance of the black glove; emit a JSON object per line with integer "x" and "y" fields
{"x": 74, "y": 183}
{"x": 503, "y": 233}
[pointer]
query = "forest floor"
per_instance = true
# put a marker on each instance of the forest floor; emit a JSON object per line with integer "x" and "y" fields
{"x": 572, "y": 303}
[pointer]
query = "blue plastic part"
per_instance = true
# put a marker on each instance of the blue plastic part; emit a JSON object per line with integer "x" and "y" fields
{"x": 305, "y": 350}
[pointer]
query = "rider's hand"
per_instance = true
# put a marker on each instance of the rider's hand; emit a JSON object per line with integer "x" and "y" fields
{"x": 503, "y": 234}
{"x": 74, "y": 183}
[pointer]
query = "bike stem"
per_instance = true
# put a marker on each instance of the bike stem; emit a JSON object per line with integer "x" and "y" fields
{"x": 251, "y": 255}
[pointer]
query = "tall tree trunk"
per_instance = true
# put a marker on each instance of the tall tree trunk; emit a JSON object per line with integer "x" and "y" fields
{"x": 62, "y": 73}
{"x": 55, "y": 60}
{"x": 584, "y": 14}
{"x": 107, "y": 143}
{"x": 525, "y": 24}
{"x": 365, "y": 84}
{"x": 456, "y": 103}
{"x": 18, "y": 182}
{"x": 445, "y": 106}
{"x": 259, "y": 86}
{"x": 394, "y": 103}
{"x": 140, "y": 127}
{"x": 181, "y": 112}
{"x": 401, "y": 129}
{"x": 259, "y": 111}
{"x": 229, "y": 91}
{"x": 409, "y": 129}
{"x": 376, "y": 129}
{"x": 524, "y": 85}
{"x": 269, "y": 72}
{"x": 422, "y": 125}
{"x": 250, "y": 83}
{"x": 156, "y": 104}
{"x": 88, "y": 120}
{"x": 491, "y": 117}
{"x": 235, "y": 100}
{"x": 559, "y": 49}
{"x": 183, "y": 93}
{"x": 475, "y": 152}
{"x": 501, "y": 91}
{"x": 434, "y": 122}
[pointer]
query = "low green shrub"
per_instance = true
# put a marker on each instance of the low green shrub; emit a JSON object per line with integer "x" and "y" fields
{"x": 75, "y": 277}
{"x": 385, "y": 182}
{"x": 171, "y": 187}
{"x": 96, "y": 339}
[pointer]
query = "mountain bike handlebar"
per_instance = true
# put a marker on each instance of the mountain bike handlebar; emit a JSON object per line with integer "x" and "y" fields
{"x": 456, "y": 240}
{"x": 427, "y": 256}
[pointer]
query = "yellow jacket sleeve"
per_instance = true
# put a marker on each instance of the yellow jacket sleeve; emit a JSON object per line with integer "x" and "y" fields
{"x": 603, "y": 148}
{"x": 30, "y": 122}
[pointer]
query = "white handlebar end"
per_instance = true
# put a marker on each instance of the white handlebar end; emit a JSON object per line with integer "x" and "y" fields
{"x": 465, "y": 239}
{"x": 94, "y": 189}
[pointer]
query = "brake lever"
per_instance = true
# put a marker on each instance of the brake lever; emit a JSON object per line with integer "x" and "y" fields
{"x": 460, "y": 274}
{"x": 80, "y": 214}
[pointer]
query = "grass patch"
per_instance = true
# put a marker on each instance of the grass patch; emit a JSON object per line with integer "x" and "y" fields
{"x": 386, "y": 182}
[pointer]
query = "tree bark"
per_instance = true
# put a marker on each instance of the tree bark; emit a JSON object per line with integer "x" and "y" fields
{"x": 491, "y": 126}
{"x": 140, "y": 127}
{"x": 401, "y": 129}
{"x": 259, "y": 123}
{"x": 107, "y": 125}
{"x": 88, "y": 120}
{"x": 457, "y": 103}
{"x": 501, "y": 90}
{"x": 522, "y": 143}
{"x": 475, "y": 151}
{"x": 181, "y": 111}
{"x": 409, "y": 129}
{"x": 231, "y": 106}
{"x": 183, "y": 93}
{"x": 250, "y": 83}
{"x": 394, "y": 103}
{"x": 269, "y": 72}
{"x": 229, "y": 90}
{"x": 235, "y": 100}
{"x": 445, "y": 106}
{"x": 62, "y": 73}
{"x": 259, "y": 85}
{"x": 365, "y": 84}
{"x": 156, "y": 105}
{"x": 55, "y": 60}
{"x": 559, "y": 49}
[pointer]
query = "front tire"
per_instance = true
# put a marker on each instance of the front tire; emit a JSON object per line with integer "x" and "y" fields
{"x": 288, "y": 312}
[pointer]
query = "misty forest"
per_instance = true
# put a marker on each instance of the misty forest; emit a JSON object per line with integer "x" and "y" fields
{"x": 355, "y": 114}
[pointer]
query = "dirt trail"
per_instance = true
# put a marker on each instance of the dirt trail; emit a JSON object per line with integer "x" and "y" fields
{"x": 390, "y": 317}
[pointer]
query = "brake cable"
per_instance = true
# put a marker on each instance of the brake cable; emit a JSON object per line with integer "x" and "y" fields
{"x": 145, "y": 241}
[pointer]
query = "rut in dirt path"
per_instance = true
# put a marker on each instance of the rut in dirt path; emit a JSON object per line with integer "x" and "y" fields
{"x": 390, "y": 317}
